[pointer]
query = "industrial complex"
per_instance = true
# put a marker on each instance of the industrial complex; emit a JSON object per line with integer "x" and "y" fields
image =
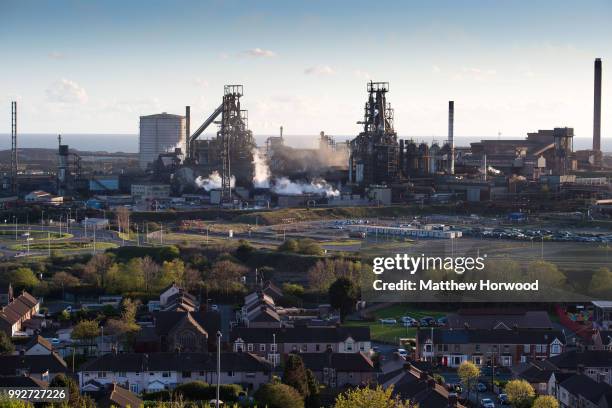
{"x": 177, "y": 164}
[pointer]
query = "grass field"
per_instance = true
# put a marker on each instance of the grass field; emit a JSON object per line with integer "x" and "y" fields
{"x": 392, "y": 333}
{"x": 34, "y": 234}
{"x": 63, "y": 246}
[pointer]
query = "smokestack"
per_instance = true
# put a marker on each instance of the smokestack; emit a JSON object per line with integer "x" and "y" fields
{"x": 281, "y": 132}
{"x": 451, "y": 140}
{"x": 597, "y": 107}
{"x": 187, "y": 129}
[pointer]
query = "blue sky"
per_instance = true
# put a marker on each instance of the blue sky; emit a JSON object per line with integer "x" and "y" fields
{"x": 511, "y": 66}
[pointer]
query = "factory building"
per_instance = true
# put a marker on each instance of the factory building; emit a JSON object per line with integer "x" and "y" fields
{"x": 160, "y": 133}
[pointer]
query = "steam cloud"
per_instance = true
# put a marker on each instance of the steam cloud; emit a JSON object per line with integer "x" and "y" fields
{"x": 283, "y": 185}
{"x": 213, "y": 181}
{"x": 261, "y": 179}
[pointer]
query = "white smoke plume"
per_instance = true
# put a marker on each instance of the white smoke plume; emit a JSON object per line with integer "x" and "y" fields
{"x": 261, "y": 179}
{"x": 287, "y": 187}
{"x": 283, "y": 185}
{"x": 213, "y": 181}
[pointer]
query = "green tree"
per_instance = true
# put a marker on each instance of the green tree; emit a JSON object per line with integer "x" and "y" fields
{"x": 75, "y": 399}
{"x": 545, "y": 401}
{"x": 601, "y": 282}
{"x": 125, "y": 327}
{"x": 546, "y": 272}
{"x": 309, "y": 246}
{"x": 520, "y": 393}
{"x": 23, "y": 278}
{"x": 278, "y": 396}
{"x": 468, "y": 372}
{"x": 86, "y": 331}
{"x": 343, "y": 294}
{"x": 6, "y": 345}
{"x": 293, "y": 289}
{"x": 290, "y": 245}
{"x": 295, "y": 374}
{"x": 313, "y": 399}
{"x": 365, "y": 397}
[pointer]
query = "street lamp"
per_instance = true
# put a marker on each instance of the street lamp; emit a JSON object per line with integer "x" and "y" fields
{"x": 218, "y": 367}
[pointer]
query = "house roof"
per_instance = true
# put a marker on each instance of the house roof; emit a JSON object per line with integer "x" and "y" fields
{"x": 300, "y": 334}
{"x": 590, "y": 389}
{"x": 495, "y": 336}
{"x": 20, "y": 306}
{"x": 588, "y": 358}
{"x": 165, "y": 321}
{"x": 23, "y": 381}
{"x": 116, "y": 396}
{"x": 346, "y": 362}
{"x": 499, "y": 318}
{"x": 38, "y": 340}
{"x": 138, "y": 362}
{"x": 421, "y": 390}
{"x": 263, "y": 314}
{"x": 9, "y": 365}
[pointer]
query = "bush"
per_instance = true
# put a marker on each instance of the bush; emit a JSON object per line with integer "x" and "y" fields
{"x": 278, "y": 396}
{"x": 201, "y": 391}
{"x": 163, "y": 395}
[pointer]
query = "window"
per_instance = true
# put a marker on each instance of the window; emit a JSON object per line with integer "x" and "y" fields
{"x": 262, "y": 347}
{"x": 349, "y": 346}
{"x": 506, "y": 361}
{"x": 526, "y": 348}
{"x": 202, "y": 373}
{"x": 239, "y": 347}
{"x": 428, "y": 348}
{"x": 439, "y": 347}
{"x": 230, "y": 373}
{"x": 555, "y": 349}
{"x": 121, "y": 374}
{"x": 186, "y": 374}
{"x": 102, "y": 374}
{"x": 477, "y": 347}
{"x": 318, "y": 347}
{"x": 250, "y": 347}
{"x": 477, "y": 360}
{"x": 134, "y": 388}
{"x": 151, "y": 373}
{"x": 361, "y": 347}
{"x": 304, "y": 348}
{"x": 457, "y": 348}
{"x": 273, "y": 347}
{"x": 540, "y": 348}
{"x": 328, "y": 347}
{"x": 166, "y": 374}
{"x": 294, "y": 348}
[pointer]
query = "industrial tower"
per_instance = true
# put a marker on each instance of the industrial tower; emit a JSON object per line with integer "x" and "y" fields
{"x": 14, "y": 163}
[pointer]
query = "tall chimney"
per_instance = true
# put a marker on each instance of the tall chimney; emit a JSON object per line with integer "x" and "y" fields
{"x": 187, "y": 129}
{"x": 597, "y": 107}
{"x": 451, "y": 140}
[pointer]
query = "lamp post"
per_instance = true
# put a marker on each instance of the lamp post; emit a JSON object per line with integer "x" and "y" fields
{"x": 218, "y": 367}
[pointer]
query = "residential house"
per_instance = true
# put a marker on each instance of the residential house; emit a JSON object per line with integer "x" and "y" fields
{"x": 140, "y": 372}
{"x": 23, "y": 381}
{"x": 37, "y": 346}
{"x": 260, "y": 311}
{"x": 537, "y": 373}
{"x": 419, "y": 387}
{"x": 176, "y": 330}
{"x": 496, "y": 318}
{"x": 451, "y": 347}
{"x": 601, "y": 340}
{"x": 175, "y": 298}
{"x": 581, "y": 391}
{"x": 271, "y": 343}
{"x": 596, "y": 364}
{"x": 41, "y": 366}
{"x": 14, "y": 316}
{"x": 111, "y": 395}
{"x": 340, "y": 369}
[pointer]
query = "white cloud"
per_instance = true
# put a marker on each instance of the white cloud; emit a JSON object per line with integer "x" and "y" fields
{"x": 320, "y": 70}
{"x": 259, "y": 52}
{"x": 56, "y": 55}
{"x": 435, "y": 69}
{"x": 66, "y": 91}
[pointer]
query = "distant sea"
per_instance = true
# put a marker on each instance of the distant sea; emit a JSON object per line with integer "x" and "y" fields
{"x": 128, "y": 143}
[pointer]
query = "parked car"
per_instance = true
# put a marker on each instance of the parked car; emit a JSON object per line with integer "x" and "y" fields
{"x": 409, "y": 321}
{"x": 402, "y": 353}
{"x": 214, "y": 308}
{"x": 442, "y": 321}
{"x": 456, "y": 388}
{"x": 487, "y": 403}
{"x": 387, "y": 321}
{"x": 428, "y": 321}
{"x": 502, "y": 399}
{"x": 480, "y": 387}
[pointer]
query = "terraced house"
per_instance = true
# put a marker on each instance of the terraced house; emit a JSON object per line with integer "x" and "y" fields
{"x": 506, "y": 347}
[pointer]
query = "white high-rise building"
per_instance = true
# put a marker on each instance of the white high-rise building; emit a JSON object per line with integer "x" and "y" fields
{"x": 160, "y": 133}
